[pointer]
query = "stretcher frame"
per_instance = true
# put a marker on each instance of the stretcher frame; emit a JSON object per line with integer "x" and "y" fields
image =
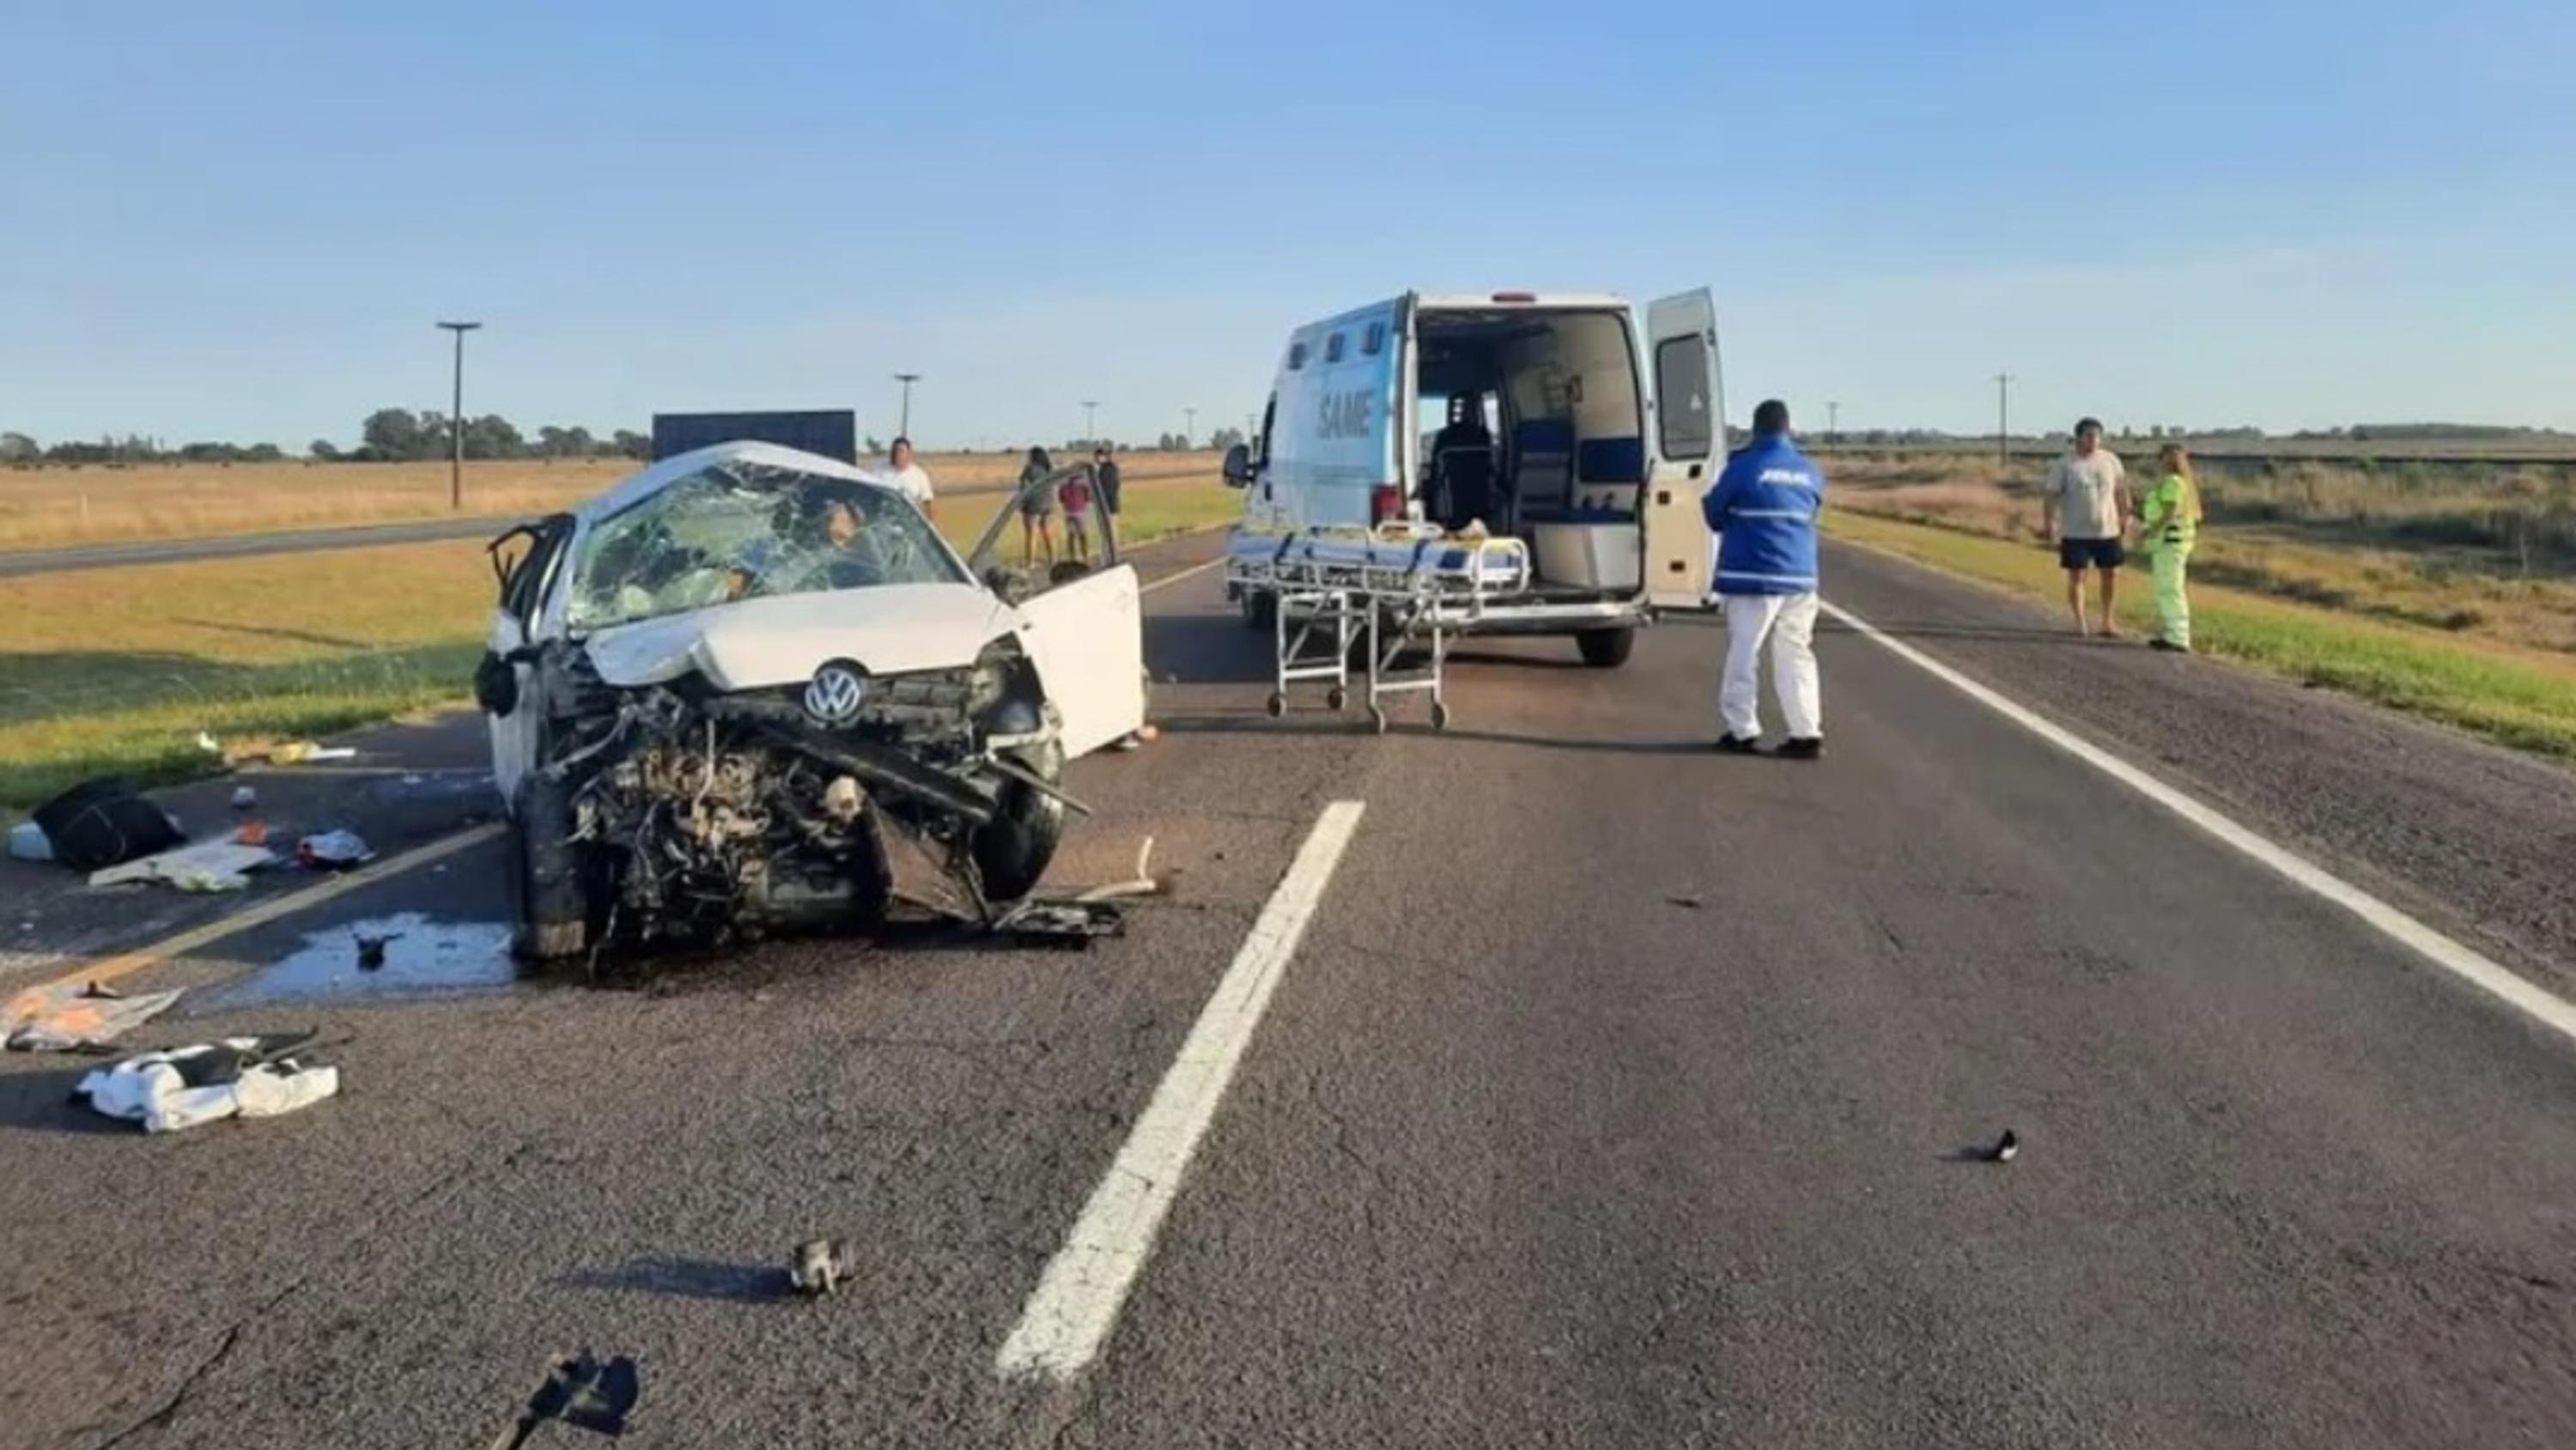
{"x": 1379, "y": 597}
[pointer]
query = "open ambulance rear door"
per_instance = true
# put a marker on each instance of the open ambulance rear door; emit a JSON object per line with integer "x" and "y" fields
{"x": 1689, "y": 447}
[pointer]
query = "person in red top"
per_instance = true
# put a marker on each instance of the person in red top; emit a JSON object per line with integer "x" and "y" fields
{"x": 1074, "y": 497}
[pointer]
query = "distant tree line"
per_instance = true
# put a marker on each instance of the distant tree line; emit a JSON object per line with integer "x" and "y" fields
{"x": 398, "y": 435}
{"x": 389, "y": 435}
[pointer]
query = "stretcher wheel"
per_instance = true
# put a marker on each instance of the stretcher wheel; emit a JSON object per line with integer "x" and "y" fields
{"x": 1439, "y": 716}
{"x": 1277, "y": 704}
{"x": 1337, "y": 697}
{"x": 1377, "y": 718}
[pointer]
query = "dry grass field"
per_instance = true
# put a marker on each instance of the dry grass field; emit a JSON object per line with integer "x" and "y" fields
{"x": 2480, "y": 551}
{"x": 58, "y": 506}
{"x": 116, "y": 670}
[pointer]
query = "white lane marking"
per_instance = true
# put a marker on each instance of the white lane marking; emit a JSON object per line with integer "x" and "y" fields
{"x": 2462, "y": 961}
{"x": 1077, "y": 1300}
{"x": 1191, "y": 572}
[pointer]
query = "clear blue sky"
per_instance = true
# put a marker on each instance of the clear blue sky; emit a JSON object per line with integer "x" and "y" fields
{"x": 238, "y": 221}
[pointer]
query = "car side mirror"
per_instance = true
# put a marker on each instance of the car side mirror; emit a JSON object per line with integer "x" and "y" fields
{"x": 496, "y": 685}
{"x": 1238, "y": 466}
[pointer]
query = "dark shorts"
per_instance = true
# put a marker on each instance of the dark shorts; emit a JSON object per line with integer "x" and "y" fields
{"x": 2077, "y": 554}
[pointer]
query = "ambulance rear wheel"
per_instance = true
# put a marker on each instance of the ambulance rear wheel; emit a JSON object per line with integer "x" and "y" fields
{"x": 1260, "y": 608}
{"x": 1606, "y": 649}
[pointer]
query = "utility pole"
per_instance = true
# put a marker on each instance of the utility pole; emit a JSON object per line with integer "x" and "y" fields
{"x": 904, "y": 428}
{"x": 1834, "y": 421}
{"x": 456, "y": 421}
{"x": 1190, "y": 429}
{"x": 2003, "y": 420}
{"x": 1090, "y": 429}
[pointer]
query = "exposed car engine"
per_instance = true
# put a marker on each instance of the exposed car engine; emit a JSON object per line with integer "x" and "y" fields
{"x": 675, "y": 813}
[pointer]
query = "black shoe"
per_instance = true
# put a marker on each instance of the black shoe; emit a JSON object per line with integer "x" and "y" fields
{"x": 2168, "y": 646}
{"x": 1802, "y": 747}
{"x": 1731, "y": 745}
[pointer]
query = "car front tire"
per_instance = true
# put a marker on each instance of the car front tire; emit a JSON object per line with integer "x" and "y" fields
{"x": 1013, "y": 849}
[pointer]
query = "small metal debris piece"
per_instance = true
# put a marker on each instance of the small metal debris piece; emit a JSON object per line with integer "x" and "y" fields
{"x": 371, "y": 950}
{"x": 1689, "y": 903}
{"x": 583, "y": 1393}
{"x": 244, "y": 797}
{"x": 820, "y": 1267}
{"x": 2005, "y": 1149}
{"x": 1072, "y": 923}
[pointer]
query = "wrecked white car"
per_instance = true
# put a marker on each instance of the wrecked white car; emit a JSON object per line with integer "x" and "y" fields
{"x": 729, "y": 693}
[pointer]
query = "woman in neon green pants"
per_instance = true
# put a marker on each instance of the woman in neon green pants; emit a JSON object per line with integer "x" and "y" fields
{"x": 2170, "y": 509}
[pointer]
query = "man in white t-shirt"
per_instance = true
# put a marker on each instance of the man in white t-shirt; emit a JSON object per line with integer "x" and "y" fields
{"x": 909, "y": 476}
{"x": 2084, "y": 507}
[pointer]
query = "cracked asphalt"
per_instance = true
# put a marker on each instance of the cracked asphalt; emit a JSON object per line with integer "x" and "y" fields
{"x": 1619, "y": 1094}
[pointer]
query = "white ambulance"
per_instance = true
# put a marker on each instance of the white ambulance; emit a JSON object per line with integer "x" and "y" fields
{"x": 1554, "y": 418}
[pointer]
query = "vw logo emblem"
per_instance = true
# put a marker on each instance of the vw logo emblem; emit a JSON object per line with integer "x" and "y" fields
{"x": 836, "y": 693}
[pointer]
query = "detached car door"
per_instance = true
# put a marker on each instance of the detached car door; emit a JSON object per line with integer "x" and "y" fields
{"x": 1087, "y": 639}
{"x": 1690, "y": 445}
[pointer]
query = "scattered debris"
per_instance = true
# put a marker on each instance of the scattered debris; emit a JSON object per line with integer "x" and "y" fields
{"x": 28, "y": 842}
{"x": 1074, "y": 924}
{"x": 252, "y": 833}
{"x": 297, "y": 752}
{"x": 206, "y": 866}
{"x": 1144, "y": 883}
{"x": 84, "y": 1018}
{"x": 104, "y": 823}
{"x": 2006, "y": 1148}
{"x": 251, "y": 1077}
{"x": 333, "y": 851}
{"x": 820, "y": 1266}
{"x": 371, "y": 950}
{"x": 208, "y": 743}
{"x": 1687, "y": 903}
{"x": 583, "y": 1393}
{"x": 244, "y": 797}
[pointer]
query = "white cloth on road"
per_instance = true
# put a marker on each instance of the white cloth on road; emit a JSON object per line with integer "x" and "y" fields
{"x": 1788, "y": 621}
{"x": 153, "y": 1091}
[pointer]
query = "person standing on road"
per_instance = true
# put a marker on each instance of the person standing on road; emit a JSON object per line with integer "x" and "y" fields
{"x": 911, "y": 477}
{"x": 2170, "y": 517}
{"x": 2084, "y": 506}
{"x": 1037, "y": 507}
{"x": 1763, "y": 511}
{"x": 1104, "y": 472}
{"x": 1074, "y": 495}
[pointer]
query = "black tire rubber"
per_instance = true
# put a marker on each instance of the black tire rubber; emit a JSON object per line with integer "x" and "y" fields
{"x": 1012, "y": 850}
{"x": 1260, "y": 609}
{"x": 1606, "y": 649}
{"x": 551, "y": 884}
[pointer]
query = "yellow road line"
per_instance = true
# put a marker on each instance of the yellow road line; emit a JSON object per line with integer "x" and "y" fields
{"x": 262, "y": 913}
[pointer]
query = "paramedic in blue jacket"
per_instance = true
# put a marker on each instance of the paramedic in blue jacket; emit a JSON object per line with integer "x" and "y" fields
{"x": 1763, "y": 510}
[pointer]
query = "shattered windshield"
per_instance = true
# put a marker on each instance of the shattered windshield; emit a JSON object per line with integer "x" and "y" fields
{"x": 740, "y": 530}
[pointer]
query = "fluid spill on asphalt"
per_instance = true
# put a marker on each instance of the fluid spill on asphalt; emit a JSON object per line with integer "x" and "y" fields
{"x": 419, "y": 956}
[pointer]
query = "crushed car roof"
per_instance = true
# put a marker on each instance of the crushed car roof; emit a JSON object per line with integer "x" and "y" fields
{"x": 680, "y": 465}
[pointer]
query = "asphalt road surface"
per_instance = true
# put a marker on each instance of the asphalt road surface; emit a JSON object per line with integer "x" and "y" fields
{"x": 1599, "y": 1091}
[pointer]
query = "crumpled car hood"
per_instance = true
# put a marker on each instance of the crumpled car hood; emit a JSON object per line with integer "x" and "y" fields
{"x": 760, "y": 644}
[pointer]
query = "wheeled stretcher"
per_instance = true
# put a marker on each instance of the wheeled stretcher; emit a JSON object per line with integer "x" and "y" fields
{"x": 1371, "y": 596}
